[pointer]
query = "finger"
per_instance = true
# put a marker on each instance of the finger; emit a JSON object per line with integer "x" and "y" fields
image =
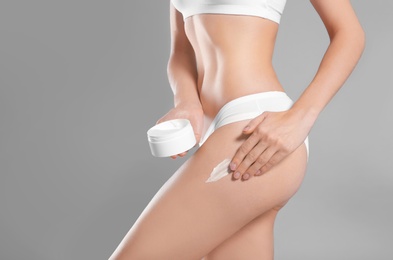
{"x": 250, "y": 127}
{"x": 182, "y": 154}
{"x": 243, "y": 150}
{"x": 162, "y": 119}
{"x": 197, "y": 137}
{"x": 198, "y": 130}
{"x": 274, "y": 160}
{"x": 173, "y": 156}
{"x": 249, "y": 159}
{"x": 262, "y": 160}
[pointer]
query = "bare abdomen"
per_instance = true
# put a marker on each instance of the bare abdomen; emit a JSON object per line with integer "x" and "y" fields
{"x": 234, "y": 57}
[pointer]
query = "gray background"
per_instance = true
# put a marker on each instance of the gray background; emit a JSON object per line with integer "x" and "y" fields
{"x": 82, "y": 81}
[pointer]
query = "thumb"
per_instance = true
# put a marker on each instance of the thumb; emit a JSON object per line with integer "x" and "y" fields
{"x": 250, "y": 127}
{"x": 197, "y": 137}
{"x": 197, "y": 132}
{"x": 162, "y": 119}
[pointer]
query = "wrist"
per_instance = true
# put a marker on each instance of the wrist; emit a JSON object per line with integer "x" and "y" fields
{"x": 194, "y": 104}
{"x": 307, "y": 114}
{"x": 186, "y": 98}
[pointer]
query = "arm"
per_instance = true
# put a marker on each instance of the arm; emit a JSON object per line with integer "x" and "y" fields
{"x": 347, "y": 41}
{"x": 181, "y": 69}
{"x": 183, "y": 77}
{"x": 274, "y": 135}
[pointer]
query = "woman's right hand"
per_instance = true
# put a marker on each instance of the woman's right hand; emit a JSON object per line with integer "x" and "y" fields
{"x": 192, "y": 112}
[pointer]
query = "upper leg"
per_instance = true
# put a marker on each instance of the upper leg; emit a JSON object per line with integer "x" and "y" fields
{"x": 253, "y": 241}
{"x": 187, "y": 217}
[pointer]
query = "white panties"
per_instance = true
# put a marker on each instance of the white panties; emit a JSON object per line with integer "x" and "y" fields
{"x": 249, "y": 107}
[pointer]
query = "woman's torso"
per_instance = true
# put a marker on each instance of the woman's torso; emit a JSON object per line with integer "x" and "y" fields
{"x": 233, "y": 55}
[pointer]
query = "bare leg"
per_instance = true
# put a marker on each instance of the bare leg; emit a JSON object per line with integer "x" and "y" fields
{"x": 253, "y": 241}
{"x": 188, "y": 218}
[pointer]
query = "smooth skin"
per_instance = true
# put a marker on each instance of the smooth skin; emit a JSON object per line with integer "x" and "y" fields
{"x": 216, "y": 58}
{"x": 190, "y": 219}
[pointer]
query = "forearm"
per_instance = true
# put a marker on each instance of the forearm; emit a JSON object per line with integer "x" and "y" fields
{"x": 182, "y": 76}
{"x": 341, "y": 57}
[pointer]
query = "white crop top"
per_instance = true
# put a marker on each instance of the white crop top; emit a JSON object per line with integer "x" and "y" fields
{"x": 269, "y": 9}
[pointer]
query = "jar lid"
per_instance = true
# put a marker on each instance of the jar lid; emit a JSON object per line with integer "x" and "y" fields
{"x": 171, "y": 137}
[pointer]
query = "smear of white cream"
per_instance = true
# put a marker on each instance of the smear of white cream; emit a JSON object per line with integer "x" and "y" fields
{"x": 220, "y": 171}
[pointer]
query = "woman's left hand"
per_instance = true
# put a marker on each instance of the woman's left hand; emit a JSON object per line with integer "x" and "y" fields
{"x": 273, "y": 136}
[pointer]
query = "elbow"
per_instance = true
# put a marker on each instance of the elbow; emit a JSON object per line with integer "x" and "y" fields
{"x": 363, "y": 39}
{"x": 173, "y": 63}
{"x": 353, "y": 36}
{"x": 181, "y": 61}
{"x": 360, "y": 41}
{"x": 359, "y": 36}
{"x": 169, "y": 66}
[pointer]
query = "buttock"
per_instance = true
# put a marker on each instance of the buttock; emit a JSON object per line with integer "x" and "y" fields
{"x": 248, "y": 107}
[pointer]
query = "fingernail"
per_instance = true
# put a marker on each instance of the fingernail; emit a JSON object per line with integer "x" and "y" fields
{"x": 258, "y": 173}
{"x": 246, "y": 128}
{"x": 236, "y": 175}
{"x": 246, "y": 176}
{"x": 232, "y": 166}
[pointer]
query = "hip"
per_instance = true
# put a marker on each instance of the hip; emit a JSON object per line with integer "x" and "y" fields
{"x": 214, "y": 94}
{"x": 248, "y": 107}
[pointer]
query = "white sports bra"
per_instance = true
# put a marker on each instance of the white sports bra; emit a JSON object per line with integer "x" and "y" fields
{"x": 269, "y": 9}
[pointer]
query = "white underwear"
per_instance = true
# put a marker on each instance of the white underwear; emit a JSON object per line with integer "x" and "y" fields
{"x": 249, "y": 107}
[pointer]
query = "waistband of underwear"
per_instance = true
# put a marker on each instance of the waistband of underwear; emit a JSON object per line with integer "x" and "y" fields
{"x": 248, "y": 107}
{"x": 249, "y": 98}
{"x": 246, "y": 98}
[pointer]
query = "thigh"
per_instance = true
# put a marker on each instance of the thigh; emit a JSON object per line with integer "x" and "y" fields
{"x": 187, "y": 217}
{"x": 253, "y": 241}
